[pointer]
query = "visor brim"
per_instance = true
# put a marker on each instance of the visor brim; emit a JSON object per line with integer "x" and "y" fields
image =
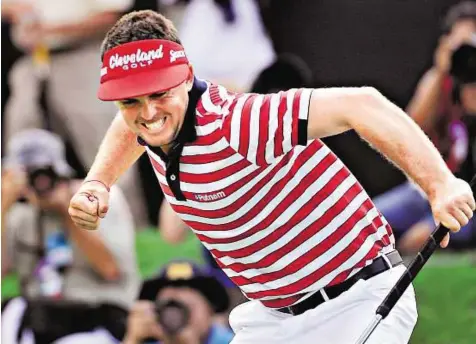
{"x": 142, "y": 84}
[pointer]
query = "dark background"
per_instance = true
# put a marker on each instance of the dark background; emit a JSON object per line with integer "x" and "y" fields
{"x": 387, "y": 44}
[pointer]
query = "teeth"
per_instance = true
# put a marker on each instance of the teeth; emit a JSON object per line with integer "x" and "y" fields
{"x": 156, "y": 125}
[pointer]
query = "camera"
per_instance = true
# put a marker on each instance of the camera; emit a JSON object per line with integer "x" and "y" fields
{"x": 463, "y": 62}
{"x": 42, "y": 179}
{"x": 172, "y": 315}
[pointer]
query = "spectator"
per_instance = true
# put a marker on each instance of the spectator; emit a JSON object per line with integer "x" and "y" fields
{"x": 64, "y": 273}
{"x": 53, "y": 86}
{"x": 226, "y": 41}
{"x": 178, "y": 306}
{"x": 173, "y": 230}
{"x": 443, "y": 105}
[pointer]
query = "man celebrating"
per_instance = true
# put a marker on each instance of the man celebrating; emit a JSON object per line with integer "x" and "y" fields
{"x": 280, "y": 213}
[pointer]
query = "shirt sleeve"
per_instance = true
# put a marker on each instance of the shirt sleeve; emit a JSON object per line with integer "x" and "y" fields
{"x": 263, "y": 128}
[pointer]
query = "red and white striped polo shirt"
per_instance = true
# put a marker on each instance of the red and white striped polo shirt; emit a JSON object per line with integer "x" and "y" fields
{"x": 282, "y": 215}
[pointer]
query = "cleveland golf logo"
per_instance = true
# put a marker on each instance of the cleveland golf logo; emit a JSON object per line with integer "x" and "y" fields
{"x": 138, "y": 59}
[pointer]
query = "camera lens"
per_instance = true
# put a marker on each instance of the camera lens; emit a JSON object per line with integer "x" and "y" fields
{"x": 42, "y": 180}
{"x": 463, "y": 64}
{"x": 173, "y": 316}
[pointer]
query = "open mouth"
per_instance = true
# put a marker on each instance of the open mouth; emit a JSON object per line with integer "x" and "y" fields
{"x": 154, "y": 126}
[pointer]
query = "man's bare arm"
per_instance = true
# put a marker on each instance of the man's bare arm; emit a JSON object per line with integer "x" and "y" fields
{"x": 119, "y": 150}
{"x": 385, "y": 126}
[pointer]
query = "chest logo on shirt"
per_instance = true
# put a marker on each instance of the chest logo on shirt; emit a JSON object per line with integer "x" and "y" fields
{"x": 210, "y": 197}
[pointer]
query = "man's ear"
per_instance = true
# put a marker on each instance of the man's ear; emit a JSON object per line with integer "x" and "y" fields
{"x": 190, "y": 78}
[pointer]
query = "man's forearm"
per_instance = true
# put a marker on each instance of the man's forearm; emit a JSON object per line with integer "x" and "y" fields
{"x": 392, "y": 132}
{"x": 118, "y": 151}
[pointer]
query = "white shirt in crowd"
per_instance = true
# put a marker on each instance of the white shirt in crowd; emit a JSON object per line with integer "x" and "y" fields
{"x": 60, "y": 12}
{"x": 232, "y": 54}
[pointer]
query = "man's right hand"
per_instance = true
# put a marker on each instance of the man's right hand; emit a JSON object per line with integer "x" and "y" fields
{"x": 89, "y": 205}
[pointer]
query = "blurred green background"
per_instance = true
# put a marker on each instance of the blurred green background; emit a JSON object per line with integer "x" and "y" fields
{"x": 445, "y": 288}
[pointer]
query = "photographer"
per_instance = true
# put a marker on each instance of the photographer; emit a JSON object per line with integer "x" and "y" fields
{"x": 177, "y": 306}
{"x": 444, "y": 105}
{"x": 65, "y": 274}
{"x": 173, "y": 230}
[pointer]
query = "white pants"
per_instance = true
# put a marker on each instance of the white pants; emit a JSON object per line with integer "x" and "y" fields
{"x": 338, "y": 321}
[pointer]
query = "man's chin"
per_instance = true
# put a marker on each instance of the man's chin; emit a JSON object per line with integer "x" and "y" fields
{"x": 157, "y": 141}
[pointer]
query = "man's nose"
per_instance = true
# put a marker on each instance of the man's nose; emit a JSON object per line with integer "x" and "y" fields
{"x": 149, "y": 110}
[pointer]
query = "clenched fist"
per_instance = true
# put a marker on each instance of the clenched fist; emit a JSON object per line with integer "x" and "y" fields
{"x": 89, "y": 204}
{"x": 452, "y": 205}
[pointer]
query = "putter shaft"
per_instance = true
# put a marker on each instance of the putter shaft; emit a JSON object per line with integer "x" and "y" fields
{"x": 370, "y": 329}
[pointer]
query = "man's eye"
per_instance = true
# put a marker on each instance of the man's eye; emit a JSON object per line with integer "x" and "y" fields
{"x": 158, "y": 95}
{"x": 129, "y": 102}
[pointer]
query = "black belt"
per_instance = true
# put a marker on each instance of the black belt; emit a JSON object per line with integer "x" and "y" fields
{"x": 378, "y": 266}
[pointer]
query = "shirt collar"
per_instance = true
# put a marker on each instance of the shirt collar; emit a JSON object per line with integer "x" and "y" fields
{"x": 188, "y": 132}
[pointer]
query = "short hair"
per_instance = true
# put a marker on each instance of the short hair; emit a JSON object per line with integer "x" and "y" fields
{"x": 461, "y": 11}
{"x": 137, "y": 26}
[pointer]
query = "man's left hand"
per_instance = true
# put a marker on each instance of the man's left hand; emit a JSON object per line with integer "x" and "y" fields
{"x": 453, "y": 205}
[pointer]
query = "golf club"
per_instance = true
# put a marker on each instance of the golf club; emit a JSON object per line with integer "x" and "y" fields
{"x": 409, "y": 275}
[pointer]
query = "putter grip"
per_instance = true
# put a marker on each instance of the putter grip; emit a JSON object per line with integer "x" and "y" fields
{"x": 415, "y": 266}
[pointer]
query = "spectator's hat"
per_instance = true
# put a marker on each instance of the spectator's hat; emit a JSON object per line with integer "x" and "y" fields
{"x": 37, "y": 148}
{"x": 183, "y": 273}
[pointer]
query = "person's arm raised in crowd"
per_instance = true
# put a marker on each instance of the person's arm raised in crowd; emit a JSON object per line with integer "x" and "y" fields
{"x": 393, "y": 133}
{"x": 119, "y": 150}
{"x": 105, "y": 14}
{"x": 424, "y": 105}
{"x": 92, "y": 25}
{"x": 13, "y": 11}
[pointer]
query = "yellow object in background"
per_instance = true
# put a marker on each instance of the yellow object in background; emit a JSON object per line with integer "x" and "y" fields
{"x": 41, "y": 60}
{"x": 41, "y": 55}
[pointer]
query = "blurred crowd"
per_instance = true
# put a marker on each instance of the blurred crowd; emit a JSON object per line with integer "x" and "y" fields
{"x": 78, "y": 286}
